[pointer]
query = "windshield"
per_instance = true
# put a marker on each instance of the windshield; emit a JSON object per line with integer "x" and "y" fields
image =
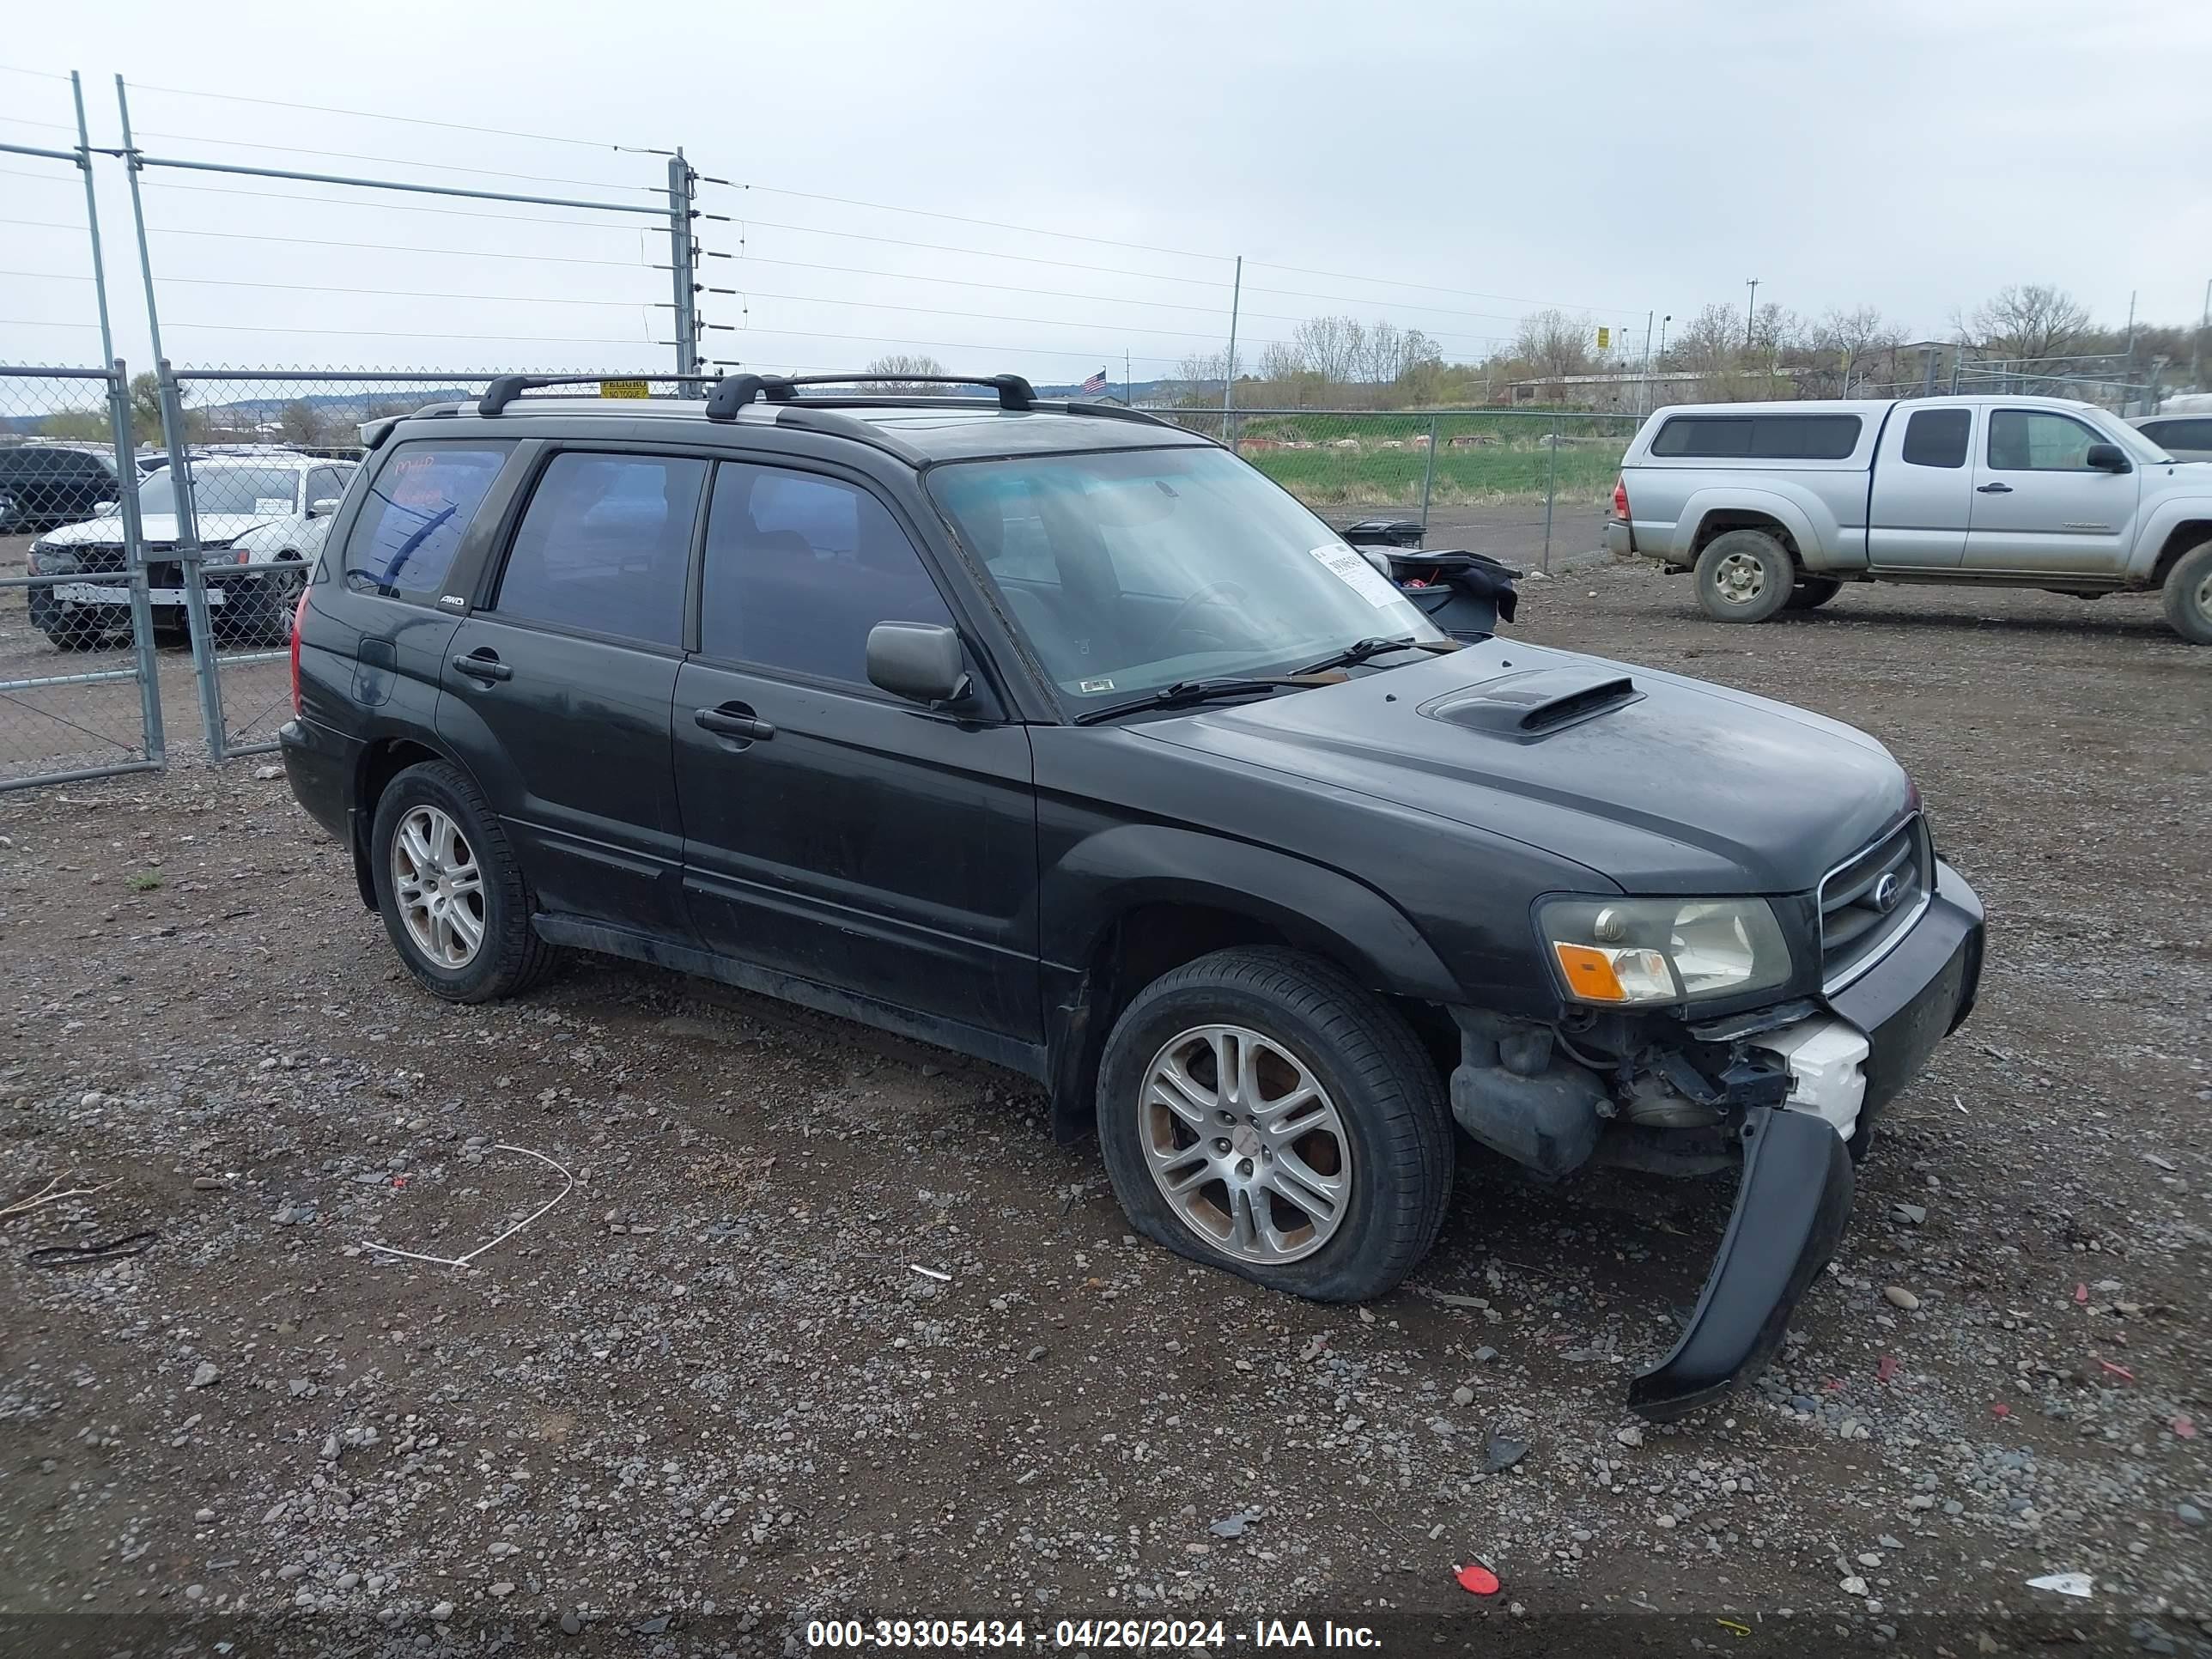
{"x": 263, "y": 491}
{"x": 1130, "y": 570}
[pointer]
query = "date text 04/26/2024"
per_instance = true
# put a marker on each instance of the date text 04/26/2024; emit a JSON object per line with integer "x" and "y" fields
{"x": 1084, "y": 1634}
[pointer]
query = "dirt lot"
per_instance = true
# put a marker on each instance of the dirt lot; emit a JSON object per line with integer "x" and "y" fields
{"x": 708, "y": 1396}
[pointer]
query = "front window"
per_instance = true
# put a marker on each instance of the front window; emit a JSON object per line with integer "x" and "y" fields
{"x": 260, "y": 491}
{"x": 1130, "y": 570}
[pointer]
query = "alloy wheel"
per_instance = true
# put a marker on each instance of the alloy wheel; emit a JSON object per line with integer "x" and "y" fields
{"x": 1740, "y": 579}
{"x": 438, "y": 886}
{"x": 1245, "y": 1144}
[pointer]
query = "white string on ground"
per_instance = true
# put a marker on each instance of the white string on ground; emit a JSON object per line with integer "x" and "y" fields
{"x": 464, "y": 1260}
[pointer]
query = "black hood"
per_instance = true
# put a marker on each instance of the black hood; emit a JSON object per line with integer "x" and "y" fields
{"x": 1660, "y": 785}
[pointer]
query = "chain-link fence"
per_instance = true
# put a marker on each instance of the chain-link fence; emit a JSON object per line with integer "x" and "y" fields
{"x": 1533, "y": 482}
{"x": 79, "y": 692}
{"x": 237, "y": 515}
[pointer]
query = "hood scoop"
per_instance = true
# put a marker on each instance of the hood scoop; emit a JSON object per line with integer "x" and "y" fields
{"x": 1535, "y": 703}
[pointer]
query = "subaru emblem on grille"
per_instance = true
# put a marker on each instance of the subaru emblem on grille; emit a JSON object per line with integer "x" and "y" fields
{"x": 1887, "y": 892}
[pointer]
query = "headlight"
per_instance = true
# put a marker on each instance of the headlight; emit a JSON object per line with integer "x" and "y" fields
{"x": 1646, "y": 950}
{"x": 44, "y": 559}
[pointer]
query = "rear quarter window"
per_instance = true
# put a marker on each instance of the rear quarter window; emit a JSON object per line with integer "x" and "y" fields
{"x": 419, "y": 509}
{"x": 1759, "y": 437}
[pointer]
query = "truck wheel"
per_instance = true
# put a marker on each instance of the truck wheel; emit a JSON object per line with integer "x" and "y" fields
{"x": 452, "y": 897}
{"x": 2189, "y": 595}
{"x": 1744, "y": 576}
{"x": 1261, "y": 1112}
{"x": 1811, "y": 593}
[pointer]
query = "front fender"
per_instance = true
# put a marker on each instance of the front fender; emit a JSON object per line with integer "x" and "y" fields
{"x": 2164, "y": 517}
{"x": 1107, "y": 875}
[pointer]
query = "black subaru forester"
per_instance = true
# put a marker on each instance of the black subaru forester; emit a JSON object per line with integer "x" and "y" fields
{"x": 1059, "y": 736}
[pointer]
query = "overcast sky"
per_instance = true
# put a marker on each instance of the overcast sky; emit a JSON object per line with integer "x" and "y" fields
{"x": 1447, "y": 166}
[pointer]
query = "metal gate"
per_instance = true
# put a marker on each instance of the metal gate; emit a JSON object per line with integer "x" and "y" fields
{"x": 80, "y": 691}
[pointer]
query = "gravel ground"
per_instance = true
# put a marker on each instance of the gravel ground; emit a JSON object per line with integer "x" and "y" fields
{"x": 713, "y": 1395}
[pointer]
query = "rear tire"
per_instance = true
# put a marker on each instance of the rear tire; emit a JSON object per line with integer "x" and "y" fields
{"x": 2188, "y": 596}
{"x": 1376, "y": 1130}
{"x": 1811, "y": 593}
{"x": 1744, "y": 576}
{"x": 467, "y": 882}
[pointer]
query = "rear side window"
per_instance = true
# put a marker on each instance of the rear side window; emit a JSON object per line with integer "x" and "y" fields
{"x": 605, "y": 546}
{"x": 418, "y": 511}
{"x": 799, "y": 568}
{"x": 1760, "y": 437}
{"x": 2037, "y": 440}
{"x": 2180, "y": 435}
{"x": 1938, "y": 437}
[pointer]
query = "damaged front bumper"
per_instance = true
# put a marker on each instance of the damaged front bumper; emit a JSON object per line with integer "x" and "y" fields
{"x": 1795, "y": 1197}
{"x": 1795, "y": 1090}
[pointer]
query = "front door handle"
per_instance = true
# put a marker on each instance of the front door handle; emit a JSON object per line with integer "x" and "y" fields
{"x": 734, "y": 721}
{"x": 1993, "y": 489}
{"x": 482, "y": 665}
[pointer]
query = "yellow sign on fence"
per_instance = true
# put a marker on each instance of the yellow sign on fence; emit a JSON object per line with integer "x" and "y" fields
{"x": 1604, "y": 339}
{"x": 622, "y": 389}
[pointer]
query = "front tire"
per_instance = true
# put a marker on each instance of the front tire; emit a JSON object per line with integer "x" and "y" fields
{"x": 453, "y": 899}
{"x": 1261, "y": 1112}
{"x": 1744, "y": 576}
{"x": 1811, "y": 593}
{"x": 2189, "y": 595}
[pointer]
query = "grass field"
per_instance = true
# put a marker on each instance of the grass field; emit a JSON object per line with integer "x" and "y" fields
{"x": 1381, "y": 460}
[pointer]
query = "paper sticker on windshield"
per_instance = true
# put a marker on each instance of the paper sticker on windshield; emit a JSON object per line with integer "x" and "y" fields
{"x": 271, "y": 504}
{"x": 1358, "y": 574}
{"x": 1094, "y": 685}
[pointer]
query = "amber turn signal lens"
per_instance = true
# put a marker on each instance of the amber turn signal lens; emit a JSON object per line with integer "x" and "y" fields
{"x": 1590, "y": 973}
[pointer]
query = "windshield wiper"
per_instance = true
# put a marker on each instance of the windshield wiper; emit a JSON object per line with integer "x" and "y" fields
{"x": 1360, "y": 651}
{"x": 1185, "y": 692}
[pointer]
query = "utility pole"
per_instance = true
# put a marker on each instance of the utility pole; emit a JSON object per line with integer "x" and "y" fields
{"x": 1750, "y": 312}
{"x": 1643, "y": 400}
{"x": 1229, "y": 378}
{"x": 2128, "y": 369}
{"x": 2196, "y": 346}
{"x": 685, "y": 295}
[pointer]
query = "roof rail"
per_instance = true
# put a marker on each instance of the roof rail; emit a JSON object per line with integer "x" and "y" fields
{"x": 1119, "y": 412}
{"x": 734, "y": 392}
{"x": 507, "y": 387}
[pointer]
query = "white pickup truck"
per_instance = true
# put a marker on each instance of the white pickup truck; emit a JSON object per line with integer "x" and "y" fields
{"x": 1776, "y": 506}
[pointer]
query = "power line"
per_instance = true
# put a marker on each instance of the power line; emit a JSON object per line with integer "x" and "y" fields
{"x": 381, "y": 247}
{"x": 404, "y": 334}
{"x": 374, "y": 115}
{"x": 980, "y": 253}
{"x": 389, "y": 160}
{"x": 54, "y": 126}
{"x": 1431, "y": 287}
{"x": 988, "y": 316}
{"x": 40, "y": 75}
{"x": 397, "y": 207}
{"x": 383, "y": 293}
{"x": 942, "y": 345}
{"x": 995, "y": 287}
{"x": 992, "y": 224}
{"x": 71, "y": 180}
{"x": 49, "y": 275}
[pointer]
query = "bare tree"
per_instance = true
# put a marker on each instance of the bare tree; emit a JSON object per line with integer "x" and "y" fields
{"x": 1331, "y": 347}
{"x": 1709, "y": 343}
{"x": 301, "y": 422}
{"x": 1851, "y": 341}
{"x": 895, "y": 370}
{"x": 1553, "y": 343}
{"x": 2029, "y": 323}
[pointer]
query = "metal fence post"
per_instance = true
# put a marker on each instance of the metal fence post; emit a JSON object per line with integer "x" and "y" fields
{"x": 188, "y": 550}
{"x": 680, "y": 260}
{"x": 134, "y": 560}
{"x": 1551, "y": 492}
{"x": 1428, "y": 478}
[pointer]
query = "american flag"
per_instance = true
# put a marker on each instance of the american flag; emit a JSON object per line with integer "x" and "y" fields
{"x": 1096, "y": 382}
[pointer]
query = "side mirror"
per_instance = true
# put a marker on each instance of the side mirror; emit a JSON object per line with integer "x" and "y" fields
{"x": 919, "y": 661}
{"x": 323, "y": 508}
{"x": 2107, "y": 457}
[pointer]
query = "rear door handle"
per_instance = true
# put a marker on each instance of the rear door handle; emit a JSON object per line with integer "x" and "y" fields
{"x": 482, "y": 666}
{"x": 734, "y": 721}
{"x": 1993, "y": 489}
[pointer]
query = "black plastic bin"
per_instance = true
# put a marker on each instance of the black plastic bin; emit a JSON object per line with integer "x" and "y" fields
{"x": 1466, "y": 594}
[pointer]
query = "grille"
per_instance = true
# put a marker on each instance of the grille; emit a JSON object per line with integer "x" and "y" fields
{"x": 1868, "y": 901}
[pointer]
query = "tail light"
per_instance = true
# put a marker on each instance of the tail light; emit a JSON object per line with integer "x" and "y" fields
{"x": 299, "y": 616}
{"x": 1621, "y": 498}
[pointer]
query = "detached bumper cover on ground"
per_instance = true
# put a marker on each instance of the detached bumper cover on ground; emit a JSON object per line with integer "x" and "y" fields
{"x": 1795, "y": 1199}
